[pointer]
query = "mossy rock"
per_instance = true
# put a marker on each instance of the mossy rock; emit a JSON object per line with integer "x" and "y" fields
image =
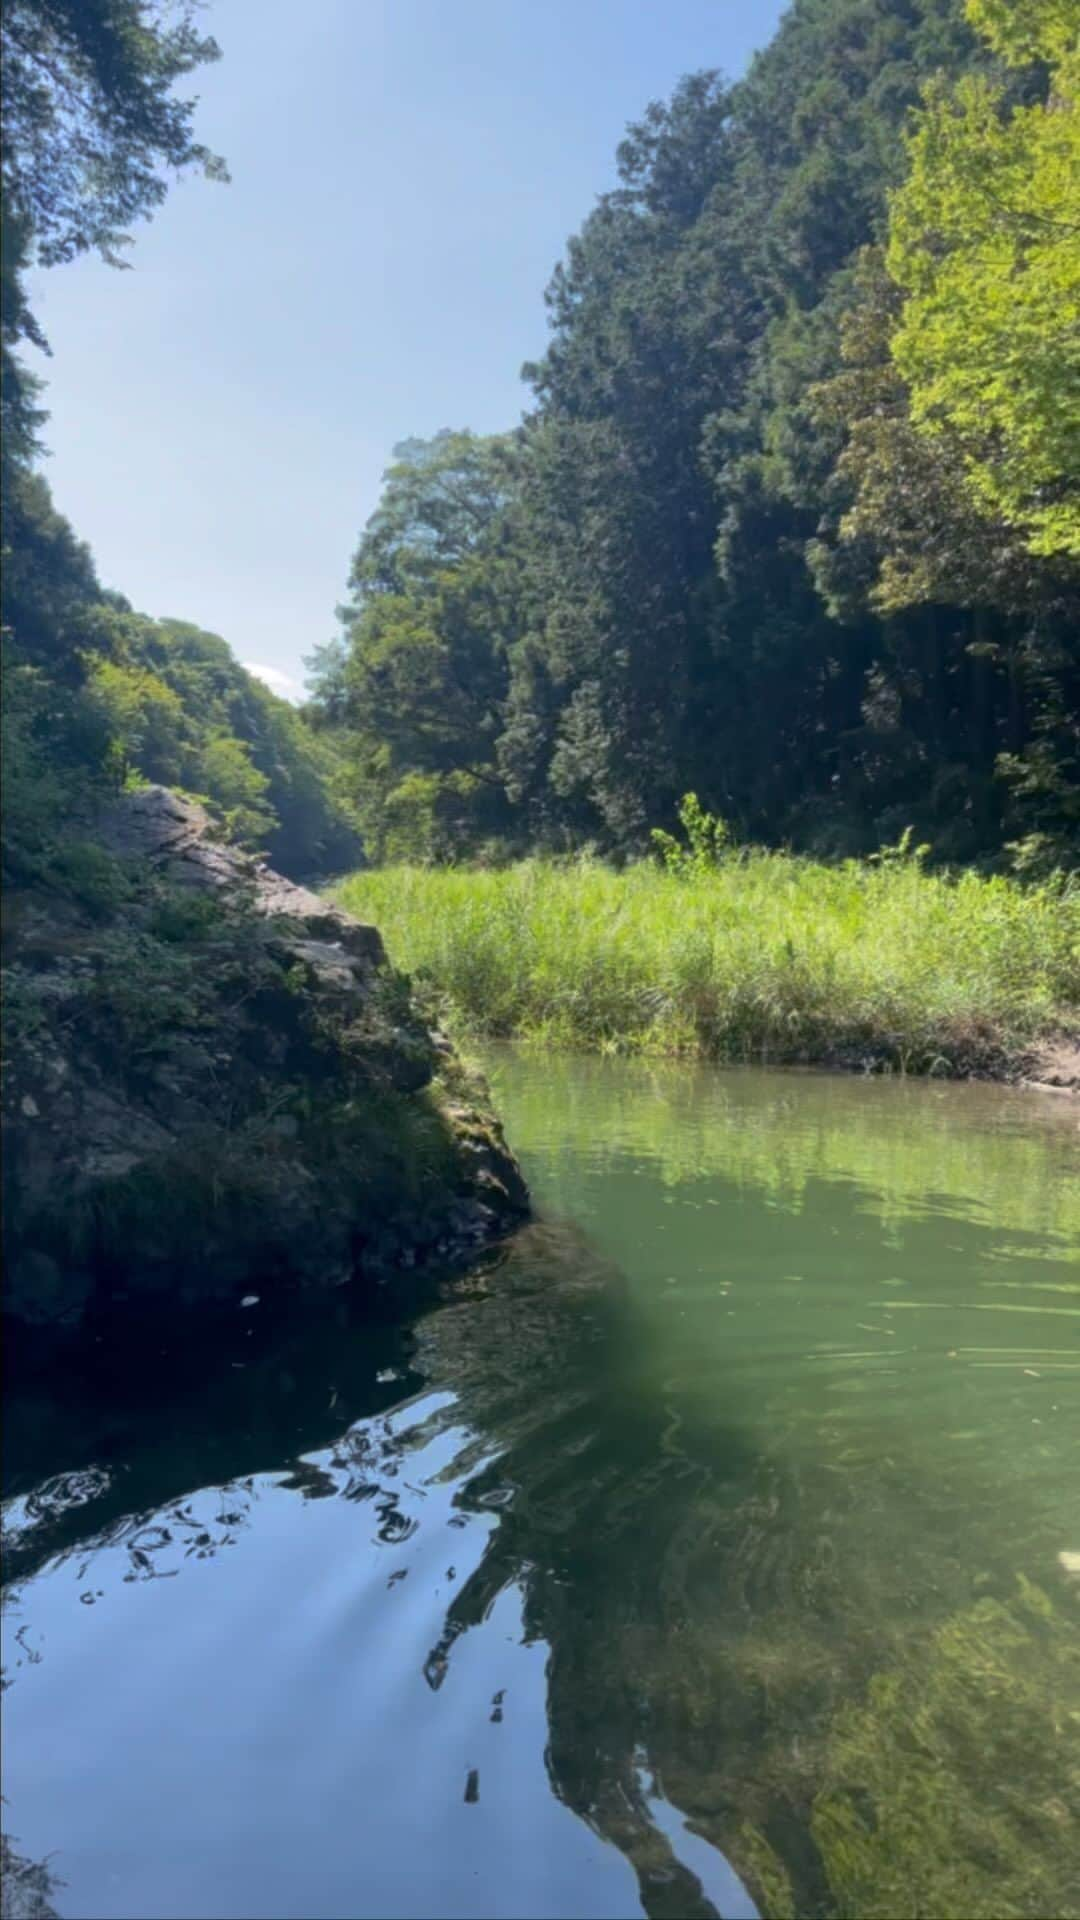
{"x": 223, "y": 1079}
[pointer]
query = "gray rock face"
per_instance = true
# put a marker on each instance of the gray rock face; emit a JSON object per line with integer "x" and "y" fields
{"x": 223, "y": 1080}
{"x": 172, "y": 836}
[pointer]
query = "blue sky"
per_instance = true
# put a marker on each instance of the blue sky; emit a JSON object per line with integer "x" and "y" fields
{"x": 405, "y": 175}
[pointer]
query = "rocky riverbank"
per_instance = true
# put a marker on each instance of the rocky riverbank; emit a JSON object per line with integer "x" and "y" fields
{"x": 214, "y": 1082}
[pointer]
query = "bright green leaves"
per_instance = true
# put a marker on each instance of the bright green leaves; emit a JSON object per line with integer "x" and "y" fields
{"x": 241, "y": 792}
{"x": 984, "y": 240}
{"x": 1025, "y": 30}
{"x": 707, "y": 838}
{"x": 166, "y": 702}
{"x": 92, "y": 127}
{"x": 147, "y": 725}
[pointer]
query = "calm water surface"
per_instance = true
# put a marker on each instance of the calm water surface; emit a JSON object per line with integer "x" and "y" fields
{"x": 714, "y": 1549}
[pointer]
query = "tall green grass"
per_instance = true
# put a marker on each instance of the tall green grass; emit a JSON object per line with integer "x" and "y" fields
{"x": 758, "y": 956}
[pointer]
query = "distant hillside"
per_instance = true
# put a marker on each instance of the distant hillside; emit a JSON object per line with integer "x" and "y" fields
{"x": 98, "y": 696}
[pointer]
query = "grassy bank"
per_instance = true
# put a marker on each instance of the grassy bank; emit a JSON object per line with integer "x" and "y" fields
{"x": 760, "y": 956}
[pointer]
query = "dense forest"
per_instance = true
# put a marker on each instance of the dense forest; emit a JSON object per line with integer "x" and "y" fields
{"x": 794, "y": 520}
{"x": 95, "y": 695}
{"x": 725, "y": 709}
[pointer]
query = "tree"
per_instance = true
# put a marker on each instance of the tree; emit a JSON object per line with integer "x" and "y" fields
{"x": 229, "y": 776}
{"x": 434, "y": 608}
{"x": 676, "y": 637}
{"x": 901, "y": 527}
{"x": 90, "y": 130}
{"x": 91, "y": 127}
{"x": 181, "y": 709}
{"x": 978, "y": 665}
{"x": 146, "y": 722}
{"x": 723, "y": 554}
{"x": 984, "y": 240}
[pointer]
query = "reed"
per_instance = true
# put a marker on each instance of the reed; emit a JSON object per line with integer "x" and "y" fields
{"x": 755, "y": 955}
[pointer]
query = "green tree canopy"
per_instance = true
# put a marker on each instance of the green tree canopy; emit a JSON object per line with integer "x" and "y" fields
{"x": 984, "y": 240}
{"x": 92, "y": 129}
{"x": 434, "y": 609}
{"x": 728, "y": 553}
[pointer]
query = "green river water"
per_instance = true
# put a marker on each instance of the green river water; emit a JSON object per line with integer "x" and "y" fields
{"x": 712, "y": 1549}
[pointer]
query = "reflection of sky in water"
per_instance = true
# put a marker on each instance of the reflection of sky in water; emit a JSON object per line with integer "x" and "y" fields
{"x": 591, "y": 1617}
{"x": 719, "y": 1881}
{"x": 271, "y": 1745}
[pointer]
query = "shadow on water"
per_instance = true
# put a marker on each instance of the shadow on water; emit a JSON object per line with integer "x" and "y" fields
{"x": 858, "y": 1713}
{"x": 552, "y": 1444}
{"x": 794, "y": 1571}
{"x": 117, "y": 1436}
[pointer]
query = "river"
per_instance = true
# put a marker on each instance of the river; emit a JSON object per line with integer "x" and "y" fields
{"x": 712, "y": 1549}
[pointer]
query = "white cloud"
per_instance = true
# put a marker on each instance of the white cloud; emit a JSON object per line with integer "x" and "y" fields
{"x": 277, "y": 681}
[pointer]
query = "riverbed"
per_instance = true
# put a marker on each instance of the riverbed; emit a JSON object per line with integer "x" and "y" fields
{"x": 711, "y": 1549}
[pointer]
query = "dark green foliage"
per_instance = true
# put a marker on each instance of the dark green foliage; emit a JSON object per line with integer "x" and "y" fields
{"x": 721, "y": 559}
{"x": 55, "y": 742}
{"x": 180, "y": 710}
{"x": 91, "y": 133}
{"x": 718, "y": 557}
{"x": 194, "y": 1090}
{"x": 95, "y": 694}
{"x": 91, "y": 126}
{"x": 435, "y": 607}
{"x": 20, "y": 417}
{"x": 49, "y": 580}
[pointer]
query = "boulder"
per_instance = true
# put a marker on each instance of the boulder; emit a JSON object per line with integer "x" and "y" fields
{"x": 219, "y": 1082}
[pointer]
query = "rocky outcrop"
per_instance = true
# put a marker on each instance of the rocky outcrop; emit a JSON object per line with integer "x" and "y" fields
{"x": 214, "y": 1082}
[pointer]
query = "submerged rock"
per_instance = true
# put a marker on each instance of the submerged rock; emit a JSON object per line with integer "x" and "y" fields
{"x": 220, "y": 1079}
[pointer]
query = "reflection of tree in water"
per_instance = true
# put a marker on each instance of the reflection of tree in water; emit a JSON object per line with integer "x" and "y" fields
{"x": 284, "y": 1387}
{"x": 789, "y": 1647}
{"x": 156, "y": 1542}
{"x": 800, "y": 1654}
